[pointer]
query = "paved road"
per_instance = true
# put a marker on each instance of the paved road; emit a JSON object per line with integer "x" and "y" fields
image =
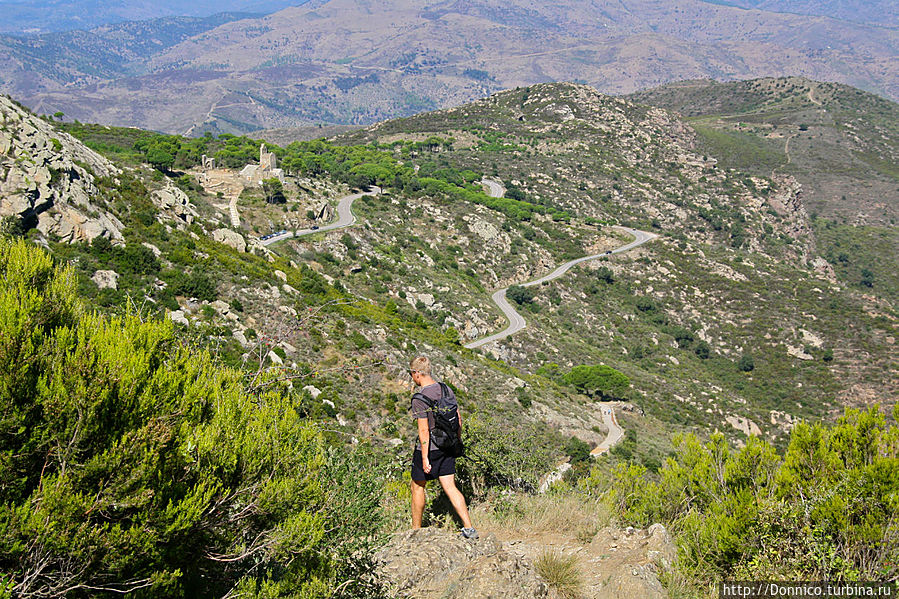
{"x": 345, "y": 218}
{"x": 616, "y": 433}
{"x": 516, "y": 320}
{"x": 496, "y": 188}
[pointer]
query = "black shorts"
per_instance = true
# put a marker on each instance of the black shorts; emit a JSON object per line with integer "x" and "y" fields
{"x": 441, "y": 465}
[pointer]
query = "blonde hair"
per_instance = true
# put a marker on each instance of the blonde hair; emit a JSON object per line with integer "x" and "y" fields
{"x": 420, "y": 364}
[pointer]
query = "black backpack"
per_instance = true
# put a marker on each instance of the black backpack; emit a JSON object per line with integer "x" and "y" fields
{"x": 446, "y": 422}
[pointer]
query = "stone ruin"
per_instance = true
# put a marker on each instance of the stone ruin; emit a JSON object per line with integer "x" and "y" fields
{"x": 266, "y": 169}
{"x": 207, "y": 162}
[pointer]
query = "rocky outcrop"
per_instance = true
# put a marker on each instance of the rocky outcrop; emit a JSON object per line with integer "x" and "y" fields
{"x": 106, "y": 279}
{"x": 174, "y": 205}
{"x": 616, "y": 564}
{"x": 47, "y": 179}
{"x": 230, "y": 238}
{"x": 429, "y": 563}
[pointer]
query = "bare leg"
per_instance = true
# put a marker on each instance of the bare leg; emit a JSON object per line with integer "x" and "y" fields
{"x": 418, "y": 502}
{"x": 448, "y": 483}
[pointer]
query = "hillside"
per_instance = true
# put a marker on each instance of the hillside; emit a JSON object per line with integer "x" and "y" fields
{"x": 350, "y": 62}
{"x": 873, "y": 12}
{"x": 230, "y": 373}
{"x": 841, "y": 145}
{"x": 41, "y": 62}
{"x": 731, "y": 242}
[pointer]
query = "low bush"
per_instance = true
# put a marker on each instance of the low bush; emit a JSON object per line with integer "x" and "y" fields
{"x": 825, "y": 510}
{"x": 132, "y": 464}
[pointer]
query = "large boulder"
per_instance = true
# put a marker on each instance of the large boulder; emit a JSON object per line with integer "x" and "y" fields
{"x": 106, "y": 279}
{"x": 429, "y": 564}
{"x": 174, "y": 205}
{"x": 230, "y": 238}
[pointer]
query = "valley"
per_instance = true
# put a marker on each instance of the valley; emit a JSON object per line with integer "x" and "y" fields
{"x": 710, "y": 323}
{"x": 342, "y": 62}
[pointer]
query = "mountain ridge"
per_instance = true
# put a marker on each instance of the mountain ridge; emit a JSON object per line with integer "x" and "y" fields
{"x": 344, "y": 62}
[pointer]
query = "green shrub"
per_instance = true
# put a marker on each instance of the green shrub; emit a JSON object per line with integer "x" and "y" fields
{"x": 577, "y": 450}
{"x": 520, "y": 295}
{"x": 825, "y": 510}
{"x": 196, "y": 284}
{"x": 129, "y": 463}
{"x": 703, "y": 350}
{"x": 503, "y": 455}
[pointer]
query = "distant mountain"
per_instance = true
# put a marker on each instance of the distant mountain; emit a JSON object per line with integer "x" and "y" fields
{"x": 357, "y": 62}
{"x": 875, "y": 12}
{"x": 107, "y": 52}
{"x": 42, "y": 16}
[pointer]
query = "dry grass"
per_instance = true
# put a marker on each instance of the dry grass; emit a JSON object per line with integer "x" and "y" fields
{"x": 569, "y": 515}
{"x": 560, "y": 572}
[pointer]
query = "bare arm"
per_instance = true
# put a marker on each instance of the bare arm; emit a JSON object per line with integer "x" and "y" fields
{"x": 424, "y": 435}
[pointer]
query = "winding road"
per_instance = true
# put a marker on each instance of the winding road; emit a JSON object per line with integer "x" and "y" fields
{"x": 516, "y": 320}
{"x": 616, "y": 433}
{"x": 345, "y": 218}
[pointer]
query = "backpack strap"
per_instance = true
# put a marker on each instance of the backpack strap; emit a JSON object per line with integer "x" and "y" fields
{"x": 424, "y": 398}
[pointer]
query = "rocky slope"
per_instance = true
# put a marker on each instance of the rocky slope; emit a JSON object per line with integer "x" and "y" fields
{"x": 48, "y": 179}
{"x": 730, "y": 320}
{"x": 739, "y": 268}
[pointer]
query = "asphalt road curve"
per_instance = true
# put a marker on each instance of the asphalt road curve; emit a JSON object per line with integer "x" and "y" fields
{"x": 616, "y": 433}
{"x": 345, "y": 218}
{"x": 516, "y": 320}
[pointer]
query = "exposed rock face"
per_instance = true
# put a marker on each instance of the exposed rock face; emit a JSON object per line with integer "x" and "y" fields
{"x": 47, "y": 178}
{"x": 744, "y": 425}
{"x": 231, "y": 238}
{"x": 174, "y": 205}
{"x": 106, "y": 279}
{"x": 429, "y": 563}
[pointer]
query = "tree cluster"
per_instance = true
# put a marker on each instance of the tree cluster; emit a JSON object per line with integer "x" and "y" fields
{"x": 598, "y": 380}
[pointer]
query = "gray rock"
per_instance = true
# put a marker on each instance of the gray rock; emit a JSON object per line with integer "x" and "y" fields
{"x": 632, "y": 560}
{"x": 177, "y": 316}
{"x": 48, "y": 174}
{"x": 156, "y": 251}
{"x": 430, "y": 563}
{"x": 220, "y": 307}
{"x": 313, "y": 391}
{"x": 106, "y": 279}
{"x": 240, "y": 338}
{"x": 230, "y": 238}
{"x": 173, "y": 204}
